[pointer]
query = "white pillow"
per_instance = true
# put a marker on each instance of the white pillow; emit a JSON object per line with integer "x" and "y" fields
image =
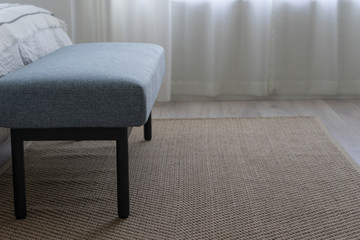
{"x": 28, "y": 33}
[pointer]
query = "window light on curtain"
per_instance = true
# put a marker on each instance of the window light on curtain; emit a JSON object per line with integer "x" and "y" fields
{"x": 239, "y": 48}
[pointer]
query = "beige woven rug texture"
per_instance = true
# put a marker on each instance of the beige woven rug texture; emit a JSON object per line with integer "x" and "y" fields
{"x": 262, "y": 178}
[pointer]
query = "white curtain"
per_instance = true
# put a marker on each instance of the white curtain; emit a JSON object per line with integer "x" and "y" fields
{"x": 239, "y": 48}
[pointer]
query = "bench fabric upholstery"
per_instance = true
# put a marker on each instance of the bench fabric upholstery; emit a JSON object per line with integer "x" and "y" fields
{"x": 84, "y": 85}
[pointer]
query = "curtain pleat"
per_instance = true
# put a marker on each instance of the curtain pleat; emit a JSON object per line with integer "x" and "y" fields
{"x": 246, "y": 48}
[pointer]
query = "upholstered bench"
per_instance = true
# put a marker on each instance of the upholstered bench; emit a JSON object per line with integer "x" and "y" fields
{"x": 82, "y": 92}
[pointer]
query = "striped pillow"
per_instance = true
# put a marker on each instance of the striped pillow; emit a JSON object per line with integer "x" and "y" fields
{"x": 28, "y": 33}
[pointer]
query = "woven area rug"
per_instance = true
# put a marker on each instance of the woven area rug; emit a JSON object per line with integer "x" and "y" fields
{"x": 261, "y": 178}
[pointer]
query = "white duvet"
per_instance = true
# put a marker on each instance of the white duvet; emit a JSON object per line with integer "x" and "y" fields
{"x": 26, "y": 34}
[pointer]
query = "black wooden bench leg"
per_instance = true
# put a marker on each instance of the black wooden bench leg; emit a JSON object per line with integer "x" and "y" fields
{"x": 17, "y": 147}
{"x": 122, "y": 159}
{"x": 147, "y": 129}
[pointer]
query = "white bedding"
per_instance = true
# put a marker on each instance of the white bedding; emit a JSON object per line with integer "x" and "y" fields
{"x": 26, "y": 34}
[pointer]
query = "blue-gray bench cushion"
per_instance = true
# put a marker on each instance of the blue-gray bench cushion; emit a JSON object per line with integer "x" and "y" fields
{"x": 84, "y": 85}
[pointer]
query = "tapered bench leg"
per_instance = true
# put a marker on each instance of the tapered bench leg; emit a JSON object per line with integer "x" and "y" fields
{"x": 147, "y": 129}
{"x": 122, "y": 159}
{"x": 17, "y": 147}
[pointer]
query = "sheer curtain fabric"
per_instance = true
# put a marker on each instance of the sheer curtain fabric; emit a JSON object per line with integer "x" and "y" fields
{"x": 238, "y": 48}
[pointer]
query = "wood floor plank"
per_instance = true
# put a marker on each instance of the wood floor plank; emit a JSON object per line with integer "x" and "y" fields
{"x": 279, "y": 108}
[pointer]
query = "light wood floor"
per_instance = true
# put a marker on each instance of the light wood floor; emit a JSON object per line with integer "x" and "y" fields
{"x": 341, "y": 117}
